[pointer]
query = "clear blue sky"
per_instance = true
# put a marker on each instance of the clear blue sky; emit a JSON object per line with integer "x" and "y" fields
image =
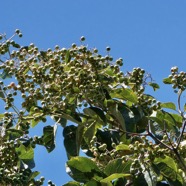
{"x": 146, "y": 33}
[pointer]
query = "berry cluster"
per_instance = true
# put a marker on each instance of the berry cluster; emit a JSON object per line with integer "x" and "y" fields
{"x": 178, "y": 79}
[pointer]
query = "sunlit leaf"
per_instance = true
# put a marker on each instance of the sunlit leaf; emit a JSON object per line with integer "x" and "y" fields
{"x": 168, "y": 105}
{"x": 124, "y": 149}
{"x": 114, "y": 176}
{"x": 26, "y": 154}
{"x": 117, "y": 166}
{"x": 155, "y": 86}
{"x": 83, "y": 169}
{"x": 125, "y": 94}
{"x": 167, "y": 80}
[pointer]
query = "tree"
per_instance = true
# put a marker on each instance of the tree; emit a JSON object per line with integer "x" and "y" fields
{"x": 129, "y": 137}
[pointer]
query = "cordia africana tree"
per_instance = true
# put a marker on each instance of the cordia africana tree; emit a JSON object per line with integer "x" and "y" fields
{"x": 129, "y": 137}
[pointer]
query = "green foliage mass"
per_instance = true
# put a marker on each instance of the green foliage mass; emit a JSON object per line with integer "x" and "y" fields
{"x": 129, "y": 137}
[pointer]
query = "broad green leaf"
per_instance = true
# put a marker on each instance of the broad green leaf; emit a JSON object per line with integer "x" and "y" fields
{"x": 116, "y": 114}
{"x": 167, "y": 81}
{"x": 34, "y": 123}
{"x": 124, "y": 149}
{"x": 167, "y": 166}
{"x": 33, "y": 175}
{"x": 168, "y": 105}
{"x": 83, "y": 169}
{"x": 168, "y": 161}
{"x": 155, "y": 86}
{"x": 48, "y": 137}
{"x": 25, "y": 153}
{"x": 82, "y": 164}
{"x": 74, "y": 118}
{"x": 174, "y": 119}
{"x": 72, "y": 183}
{"x": 117, "y": 166}
{"x": 114, "y": 176}
{"x": 94, "y": 183}
{"x": 96, "y": 113}
{"x": 16, "y": 45}
{"x": 70, "y": 143}
{"x": 90, "y": 131}
{"x": 130, "y": 118}
{"x": 125, "y": 94}
{"x": 108, "y": 71}
{"x": 35, "y": 112}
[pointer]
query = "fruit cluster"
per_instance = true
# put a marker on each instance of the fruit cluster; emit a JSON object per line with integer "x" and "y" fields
{"x": 178, "y": 79}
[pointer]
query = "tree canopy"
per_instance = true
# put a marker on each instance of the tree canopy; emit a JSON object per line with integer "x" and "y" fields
{"x": 129, "y": 137}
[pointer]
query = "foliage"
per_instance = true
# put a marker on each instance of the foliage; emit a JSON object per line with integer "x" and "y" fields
{"x": 129, "y": 137}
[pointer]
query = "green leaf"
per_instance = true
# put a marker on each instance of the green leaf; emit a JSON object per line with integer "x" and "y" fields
{"x": 72, "y": 183}
{"x": 26, "y": 154}
{"x": 90, "y": 131}
{"x": 74, "y": 118}
{"x": 168, "y": 161}
{"x": 168, "y": 105}
{"x": 168, "y": 168}
{"x": 94, "y": 183}
{"x": 16, "y": 45}
{"x": 96, "y": 113}
{"x": 117, "y": 166}
{"x": 83, "y": 169}
{"x": 116, "y": 114}
{"x": 14, "y": 133}
{"x": 124, "y": 149}
{"x": 130, "y": 118}
{"x": 167, "y": 81}
{"x": 125, "y": 94}
{"x": 155, "y": 86}
{"x": 82, "y": 164}
{"x": 114, "y": 176}
{"x": 70, "y": 143}
{"x": 33, "y": 175}
{"x": 48, "y": 137}
{"x": 67, "y": 57}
